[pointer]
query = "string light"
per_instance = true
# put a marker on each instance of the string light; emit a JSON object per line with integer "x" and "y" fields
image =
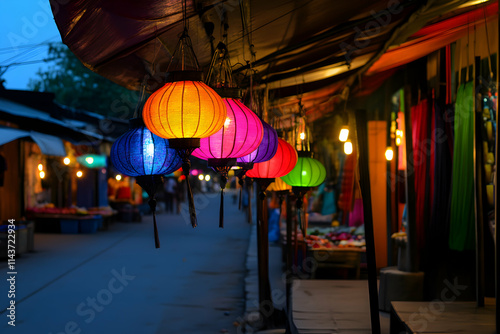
{"x": 348, "y": 147}
{"x": 302, "y": 136}
{"x": 201, "y": 177}
{"x": 118, "y": 177}
{"x": 42, "y": 174}
{"x": 389, "y": 154}
{"x": 79, "y": 173}
{"x": 207, "y": 177}
{"x": 344, "y": 134}
{"x": 40, "y": 167}
{"x": 66, "y": 161}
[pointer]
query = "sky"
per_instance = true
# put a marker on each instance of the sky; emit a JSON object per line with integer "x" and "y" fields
{"x": 26, "y": 27}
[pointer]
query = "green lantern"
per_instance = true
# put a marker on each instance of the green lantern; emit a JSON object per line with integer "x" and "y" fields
{"x": 308, "y": 172}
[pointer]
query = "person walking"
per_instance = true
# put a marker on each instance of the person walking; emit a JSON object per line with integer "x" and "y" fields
{"x": 170, "y": 190}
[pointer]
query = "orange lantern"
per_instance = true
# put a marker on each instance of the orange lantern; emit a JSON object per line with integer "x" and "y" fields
{"x": 184, "y": 109}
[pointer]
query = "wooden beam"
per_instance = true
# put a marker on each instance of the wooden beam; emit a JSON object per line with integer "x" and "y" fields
{"x": 364, "y": 182}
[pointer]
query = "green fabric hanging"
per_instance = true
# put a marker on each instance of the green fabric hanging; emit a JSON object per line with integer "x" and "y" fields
{"x": 462, "y": 226}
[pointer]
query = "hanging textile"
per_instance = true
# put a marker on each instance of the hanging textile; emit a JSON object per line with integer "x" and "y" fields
{"x": 346, "y": 199}
{"x": 422, "y": 151}
{"x": 462, "y": 234}
{"x": 443, "y": 144}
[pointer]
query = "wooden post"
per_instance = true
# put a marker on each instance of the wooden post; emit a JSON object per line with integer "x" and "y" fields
{"x": 497, "y": 232}
{"x": 389, "y": 179}
{"x": 411, "y": 230}
{"x": 289, "y": 260}
{"x": 364, "y": 182}
{"x": 479, "y": 187}
{"x": 266, "y": 307}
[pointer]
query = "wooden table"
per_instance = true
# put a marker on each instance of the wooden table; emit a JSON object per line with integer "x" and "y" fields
{"x": 336, "y": 258}
{"x": 332, "y": 306}
{"x": 442, "y": 317}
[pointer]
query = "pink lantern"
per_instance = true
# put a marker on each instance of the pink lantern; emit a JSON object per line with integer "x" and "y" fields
{"x": 241, "y": 134}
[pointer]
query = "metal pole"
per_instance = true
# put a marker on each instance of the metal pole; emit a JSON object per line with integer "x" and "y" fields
{"x": 364, "y": 182}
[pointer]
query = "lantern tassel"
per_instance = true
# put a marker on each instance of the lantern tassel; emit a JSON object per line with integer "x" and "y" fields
{"x": 223, "y": 182}
{"x": 152, "y": 206}
{"x": 186, "y": 166}
{"x": 151, "y": 184}
{"x": 221, "y": 212}
{"x": 241, "y": 188}
{"x": 250, "y": 203}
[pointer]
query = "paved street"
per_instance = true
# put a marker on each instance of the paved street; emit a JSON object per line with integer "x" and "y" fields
{"x": 117, "y": 282}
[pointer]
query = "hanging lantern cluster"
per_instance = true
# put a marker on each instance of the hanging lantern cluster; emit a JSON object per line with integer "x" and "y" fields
{"x": 242, "y": 131}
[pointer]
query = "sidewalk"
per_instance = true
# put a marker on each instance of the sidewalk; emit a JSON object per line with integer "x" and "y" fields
{"x": 117, "y": 282}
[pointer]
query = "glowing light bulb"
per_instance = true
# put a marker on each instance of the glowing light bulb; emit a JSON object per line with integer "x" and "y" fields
{"x": 79, "y": 173}
{"x": 348, "y": 147}
{"x": 42, "y": 174}
{"x": 389, "y": 154}
{"x": 227, "y": 122}
{"x": 40, "y": 167}
{"x": 89, "y": 160}
{"x": 344, "y": 134}
{"x": 304, "y": 173}
{"x": 66, "y": 161}
{"x": 398, "y": 141}
{"x": 302, "y": 136}
{"x": 201, "y": 177}
{"x": 207, "y": 177}
{"x": 118, "y": 177}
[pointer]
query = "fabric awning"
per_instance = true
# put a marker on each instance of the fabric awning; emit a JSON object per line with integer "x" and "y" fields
{"x": 9, "y": 134}
{"x": 49, "y": 145}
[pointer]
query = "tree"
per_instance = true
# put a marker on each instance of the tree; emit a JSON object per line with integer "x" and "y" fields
{"x": 76, "y": 86}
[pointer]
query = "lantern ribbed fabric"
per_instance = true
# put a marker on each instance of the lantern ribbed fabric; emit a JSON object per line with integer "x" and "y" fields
{"x": 279, "y": 185}
{"x": 139, "y": 152}
{"x": 280, "y": 164}
{"x": 184, "y": 109}
{"x": 308, "y": 172}
{"x": 267, "y": 148}
{"x": 241, "y": 134}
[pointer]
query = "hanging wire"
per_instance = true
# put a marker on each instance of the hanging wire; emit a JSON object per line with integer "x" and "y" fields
{"x": 487, "y": 42}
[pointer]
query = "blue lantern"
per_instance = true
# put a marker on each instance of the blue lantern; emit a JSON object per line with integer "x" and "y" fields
{"x": 147, "y": 157}
{"x": 139, "y": 152}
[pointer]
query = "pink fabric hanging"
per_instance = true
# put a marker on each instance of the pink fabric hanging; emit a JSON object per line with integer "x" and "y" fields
{"x": 423, "y": 150}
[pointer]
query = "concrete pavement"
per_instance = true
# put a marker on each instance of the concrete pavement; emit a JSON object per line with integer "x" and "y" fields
{"x": 117, "y": 282}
